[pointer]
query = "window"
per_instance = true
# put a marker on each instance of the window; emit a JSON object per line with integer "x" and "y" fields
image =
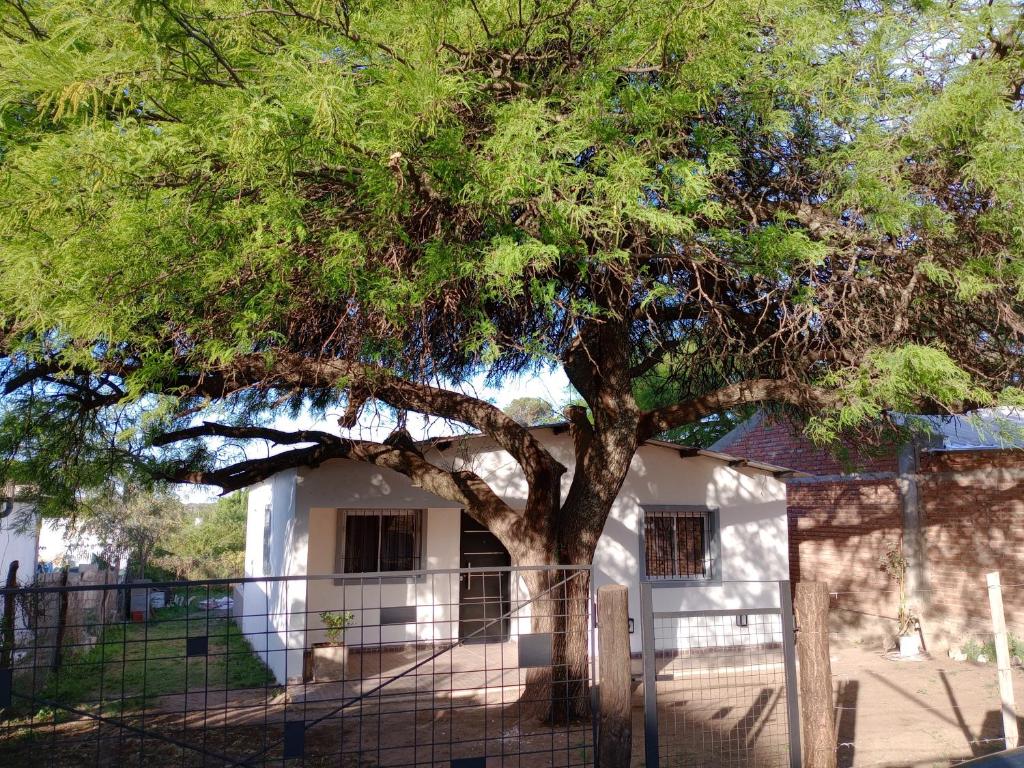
{"x": 373, "y": 540}
{"x": 679, "y": 544}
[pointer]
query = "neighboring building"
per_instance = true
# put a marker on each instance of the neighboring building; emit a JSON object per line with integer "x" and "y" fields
{"x": 953, "y": 502}
{"x": 19, "y": 538}
{"x": 38, "y": 544}
{"x": 703, "y": 517}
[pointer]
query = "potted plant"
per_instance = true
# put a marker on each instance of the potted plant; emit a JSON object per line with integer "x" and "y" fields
{"x": 331, "y": 658}
{"x": 895, "y": 565}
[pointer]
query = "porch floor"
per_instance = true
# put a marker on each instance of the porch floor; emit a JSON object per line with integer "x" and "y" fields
{"x": 481, "y": 670}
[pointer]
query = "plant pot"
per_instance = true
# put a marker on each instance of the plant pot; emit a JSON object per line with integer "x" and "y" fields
{"x": 330, "y": 662}
{"x": 910, "y": 645}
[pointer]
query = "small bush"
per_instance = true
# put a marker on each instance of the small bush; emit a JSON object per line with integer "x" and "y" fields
{"x": 973, "y": 648}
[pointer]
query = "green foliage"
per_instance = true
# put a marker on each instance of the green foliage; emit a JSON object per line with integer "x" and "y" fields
{"x": 131, "y": 524}
{"x": 662, "y": 385}
{"x": 441, "y": 190}
{"x": 155, "y": 533}
{"x": 134, "y": 664}
{"x": 532, "y": 411}
{"x": 335, "y": 623}
{"x": 898, "y": 379}
{"x": 210, "y": 541}
{"x": 973, "y": 648}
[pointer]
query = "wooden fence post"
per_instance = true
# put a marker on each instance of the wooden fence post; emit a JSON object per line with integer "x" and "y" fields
{"x": 1005, "y": 676}
{"x": 816, "y": 707}
{"x": 615, "y": 742}
{"x": 7, "y": 629}
{"x": 62, "y": 621}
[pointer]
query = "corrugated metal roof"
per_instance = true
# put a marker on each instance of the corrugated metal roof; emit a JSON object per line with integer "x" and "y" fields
{"x": 984, "y": 429}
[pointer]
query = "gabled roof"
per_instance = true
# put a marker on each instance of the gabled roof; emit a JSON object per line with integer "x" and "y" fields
{"x": 684, "y": 451}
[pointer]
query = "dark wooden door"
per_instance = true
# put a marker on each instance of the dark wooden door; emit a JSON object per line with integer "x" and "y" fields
{"x": 483, "y": 596}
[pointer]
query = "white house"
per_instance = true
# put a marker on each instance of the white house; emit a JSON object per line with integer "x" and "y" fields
{"x": 714, "y": 524}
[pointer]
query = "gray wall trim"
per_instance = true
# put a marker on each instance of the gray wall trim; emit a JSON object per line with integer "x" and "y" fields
{"x": 353, "y": 578}
{"x": 398, "y": 614}
{"x": 853, "y": 477}
{"x": 912, "y": 541}
{"x": 989, "y": 475}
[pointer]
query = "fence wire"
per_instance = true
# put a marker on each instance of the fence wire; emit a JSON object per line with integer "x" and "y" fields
{"x": 723, "y": 688}
{"x": 465, "y": 668}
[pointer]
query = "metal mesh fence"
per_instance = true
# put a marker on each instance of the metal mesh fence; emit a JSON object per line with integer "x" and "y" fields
{"x": 723, "y": 687}
{"x": 249, "y": 673}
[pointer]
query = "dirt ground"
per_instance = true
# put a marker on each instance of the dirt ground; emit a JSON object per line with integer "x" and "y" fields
{"x": 891, "y": 714}
{"x": 936, "y": 712}
{"x": 896, "y": 714}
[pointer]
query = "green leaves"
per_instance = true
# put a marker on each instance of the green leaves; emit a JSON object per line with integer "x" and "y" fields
{"x": 901, "y": 379}
{"x": 444, "y": 189}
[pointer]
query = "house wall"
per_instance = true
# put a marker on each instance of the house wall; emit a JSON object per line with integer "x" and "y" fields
{"x": 273, "y": 613}
{"x": 19, "y": 537}
{"x": 971, "y": 506}
{"x": 751, "y": 508}
{"x": 436, "y": 596}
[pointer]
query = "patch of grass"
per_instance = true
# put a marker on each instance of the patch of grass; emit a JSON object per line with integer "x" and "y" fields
{"x": 132, "y": 664}
{"x": 972, "y": 648}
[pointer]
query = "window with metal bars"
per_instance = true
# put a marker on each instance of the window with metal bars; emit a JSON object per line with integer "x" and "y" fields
{"x": 678, "y": 544}
{"x": 378, "y": 540}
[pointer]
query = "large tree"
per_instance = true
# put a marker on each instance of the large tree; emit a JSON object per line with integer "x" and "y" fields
{"x": 212, "y": 210}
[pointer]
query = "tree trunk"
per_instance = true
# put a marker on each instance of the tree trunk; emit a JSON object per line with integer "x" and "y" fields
{"x": 812, "y": 606}
{"x": 560, "y": 693}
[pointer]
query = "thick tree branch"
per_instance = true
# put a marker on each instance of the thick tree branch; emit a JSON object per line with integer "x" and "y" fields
{"x": 731, "y": 396}
{"x": 213, "y": 429}
{"x": 462, "y": 487}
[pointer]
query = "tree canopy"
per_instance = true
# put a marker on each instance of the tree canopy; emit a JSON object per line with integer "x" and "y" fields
{"x": 212, "y": 211}
{"x": 531, "y": 411}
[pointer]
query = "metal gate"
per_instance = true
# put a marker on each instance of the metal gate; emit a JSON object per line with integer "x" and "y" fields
{"x": 225, "y": 672}
{"x": 720, "y": 686}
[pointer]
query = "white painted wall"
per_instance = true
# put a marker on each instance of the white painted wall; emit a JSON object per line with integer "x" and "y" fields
{"x": 274, "y": 612}
{"x": 436, "y": 596}
{"x": 18, "y": 541}
{"x": 752, "y": 516}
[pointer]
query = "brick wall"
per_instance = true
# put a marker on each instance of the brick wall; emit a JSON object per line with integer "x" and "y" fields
{"x": 783, "y": 443}
{"x": 972, "y": 505}
{"x": 837, "y": 532}
{"x": 972, "y": 510}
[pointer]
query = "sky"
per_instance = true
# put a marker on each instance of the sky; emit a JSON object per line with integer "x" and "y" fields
{"x": 552, "y": 386}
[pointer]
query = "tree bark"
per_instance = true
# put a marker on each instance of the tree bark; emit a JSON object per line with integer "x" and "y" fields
{"x": 560, "y": 693}
{"x": 615, "y": 744}
{"x": 817, "y": 712}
